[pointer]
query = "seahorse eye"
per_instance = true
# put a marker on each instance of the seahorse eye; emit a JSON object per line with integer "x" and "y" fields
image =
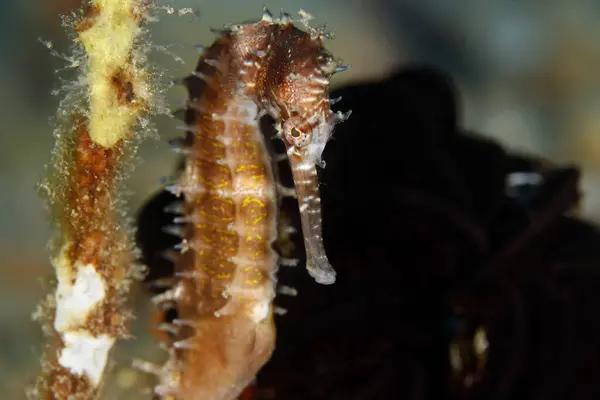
{"x": 297, "y": 137}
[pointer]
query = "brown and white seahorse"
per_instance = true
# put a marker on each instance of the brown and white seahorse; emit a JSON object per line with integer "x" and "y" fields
{"x": 293, "y": 88}
{"x": 225, "y": 274}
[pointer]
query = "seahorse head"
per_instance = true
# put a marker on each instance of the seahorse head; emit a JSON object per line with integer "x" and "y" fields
{"x": 296, "y": 90}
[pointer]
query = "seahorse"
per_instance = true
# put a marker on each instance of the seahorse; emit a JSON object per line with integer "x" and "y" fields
{"x": 294, "y": 89}
{"x": 225, "y": 274}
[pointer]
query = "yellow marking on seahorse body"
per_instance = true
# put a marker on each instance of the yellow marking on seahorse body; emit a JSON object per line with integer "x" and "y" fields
{"x": 223, "y": 276}
{"x": 251, "y": 148}
{"x": 250, "y": 199}
{"x": 213, "y": 185}
{"x": 204, "y": 214}
{"x": 254, "y": 181}
{"x": 206, "y": 269}
{"x": 259, "y": 277}
{"x": 249, "y": 237}
{"x": 202, "y": 163}
{"x": 222, "y": 209}
{"x": 256, "y": 220}
{"x": 255, "y": 167}
{"x": 223, "y": 199}
{"x": 252, "y": 281}
{"x": 227, "y": 239}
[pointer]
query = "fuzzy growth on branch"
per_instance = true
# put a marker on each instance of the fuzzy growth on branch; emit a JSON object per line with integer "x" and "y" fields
{"x": 100, "y": 121}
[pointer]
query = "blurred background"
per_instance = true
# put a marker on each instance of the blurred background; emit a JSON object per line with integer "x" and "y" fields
{"x": 527, "y": 73}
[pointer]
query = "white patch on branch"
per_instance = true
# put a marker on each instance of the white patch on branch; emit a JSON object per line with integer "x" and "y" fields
{"x": 85, "y": 354}
{"x": 75, "y": 300}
